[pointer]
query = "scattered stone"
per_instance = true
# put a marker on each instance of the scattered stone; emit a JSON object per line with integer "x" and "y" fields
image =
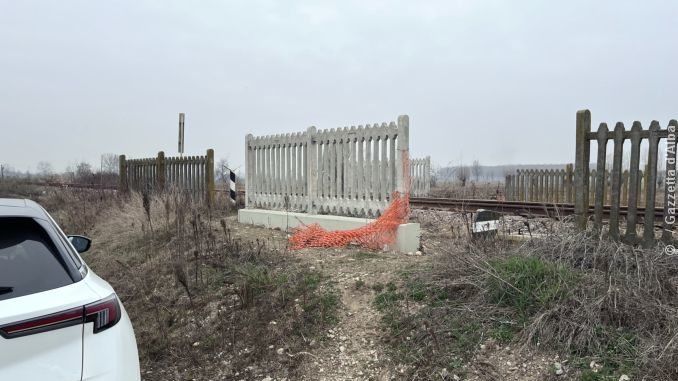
{"x": 418, "y": 252}
{"x": 559, "y": 368}
{"x": 196, "y": 343}
{"x": 342, "y": 349}
{"x": 624, "y": 378}
{"x": 281, "y": 351}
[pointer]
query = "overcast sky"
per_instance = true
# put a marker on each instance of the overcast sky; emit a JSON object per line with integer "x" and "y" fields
{"x": 496, "y": 81}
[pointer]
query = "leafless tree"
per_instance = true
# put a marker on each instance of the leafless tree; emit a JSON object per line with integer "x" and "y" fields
{"x": 477, "y": 170}
{"x": 222, "y": 171}
{"x": 462, "y": 173}
{"x": 110, "y": 163}
{"x": 83, "y": 172}
{"x": 435, "y": 169}
{"x": 44, "y": 169}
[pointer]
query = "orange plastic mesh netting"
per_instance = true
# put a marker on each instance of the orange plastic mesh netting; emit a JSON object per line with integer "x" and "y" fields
{"x": 374, "y": 236}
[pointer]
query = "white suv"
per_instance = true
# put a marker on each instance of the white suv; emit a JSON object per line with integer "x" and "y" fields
{"x": 58, "y": 320}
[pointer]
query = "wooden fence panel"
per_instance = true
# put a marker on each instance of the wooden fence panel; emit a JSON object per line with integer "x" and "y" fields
{"x": 633, "y": 188}
{"x": 194, "y": 174}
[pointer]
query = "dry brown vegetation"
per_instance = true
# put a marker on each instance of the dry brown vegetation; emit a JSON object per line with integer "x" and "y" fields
{"x": 213, "y": 300}
{"x": 608, "y": 309}
{"x": 472, "y": 190}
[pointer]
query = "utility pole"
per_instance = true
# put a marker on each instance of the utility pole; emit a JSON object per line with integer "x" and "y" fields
{"x": 181, "y": 134}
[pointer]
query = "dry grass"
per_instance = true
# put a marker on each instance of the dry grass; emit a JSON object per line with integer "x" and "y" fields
{"x": 204, "y": 304}
{"x": 472, "y": 190}
{"x": 591, "y": 299}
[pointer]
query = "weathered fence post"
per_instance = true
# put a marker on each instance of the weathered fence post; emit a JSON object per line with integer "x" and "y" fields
{"x": 600, "y": 179}
{"x": 249, "y": 169}
{"x": 427, "y": 176}
{"x": 581, "y": 168}
{"x": 569, "y": 175}
{"x": 209, "y": 177}
{"x": 122, "y": 177}
{"x": 311, "y": 169}
{"x": 634, "y": 183}
{"x": 402, "y": 153}
{"x": 160, "y": 171}
{"x": 617, "y": 175}
{"x": 651, "y": 184}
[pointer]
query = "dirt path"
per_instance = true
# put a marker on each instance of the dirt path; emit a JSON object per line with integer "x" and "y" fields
{"x": 355, "y": 348}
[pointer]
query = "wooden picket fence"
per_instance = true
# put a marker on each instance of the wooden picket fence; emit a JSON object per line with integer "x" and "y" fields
{"x": 644, "y": 193}
{"x": 192, "y": 174}
{"x": 551, "y": 186}
{"x": 556, "y": 186}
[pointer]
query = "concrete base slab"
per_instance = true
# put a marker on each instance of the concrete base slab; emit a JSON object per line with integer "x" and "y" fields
{"x": 407, "y": 237}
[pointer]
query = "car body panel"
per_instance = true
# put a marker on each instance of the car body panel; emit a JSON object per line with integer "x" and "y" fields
{"x": 54, "y": 355}
{"x": 118, "y": 340}
{"x": 111, "y": 355}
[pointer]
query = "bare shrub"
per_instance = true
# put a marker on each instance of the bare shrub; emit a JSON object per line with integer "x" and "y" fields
{"x": 591, "y": 298}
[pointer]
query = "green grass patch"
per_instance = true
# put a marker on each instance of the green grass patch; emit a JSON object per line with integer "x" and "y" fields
{"x": 528, "y": 284}
{"x": 503, "y": 333}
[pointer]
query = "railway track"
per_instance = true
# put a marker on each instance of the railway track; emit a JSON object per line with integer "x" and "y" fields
{"x": 521, "y": 208}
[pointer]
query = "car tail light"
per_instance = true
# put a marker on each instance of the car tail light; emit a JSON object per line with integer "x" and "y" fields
{"x": 104, "y": 313}
{"x": 43, "y": 323}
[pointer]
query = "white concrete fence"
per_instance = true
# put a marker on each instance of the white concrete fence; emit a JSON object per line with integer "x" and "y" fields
{"x": 344, "y": 171}
{"x": 420, "y": 175}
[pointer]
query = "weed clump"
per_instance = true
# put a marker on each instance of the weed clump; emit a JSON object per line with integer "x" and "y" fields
{"x": 528, "y": 284}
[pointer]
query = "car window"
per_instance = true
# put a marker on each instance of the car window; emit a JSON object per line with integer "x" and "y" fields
{"x": 62, "y": 236}
{"x": 29, "y": 260}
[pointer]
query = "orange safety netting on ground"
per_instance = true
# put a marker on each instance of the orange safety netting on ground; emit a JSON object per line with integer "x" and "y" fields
{"x": 375, "y": 235}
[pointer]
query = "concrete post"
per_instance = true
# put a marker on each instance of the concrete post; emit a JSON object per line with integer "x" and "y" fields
{"x": 311, "y": 170}
{"x": 209, "y": 177}
{"x": 249, "y": 169}
{"x": 581, "y": 168}
{"x": 402, "y": 154}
